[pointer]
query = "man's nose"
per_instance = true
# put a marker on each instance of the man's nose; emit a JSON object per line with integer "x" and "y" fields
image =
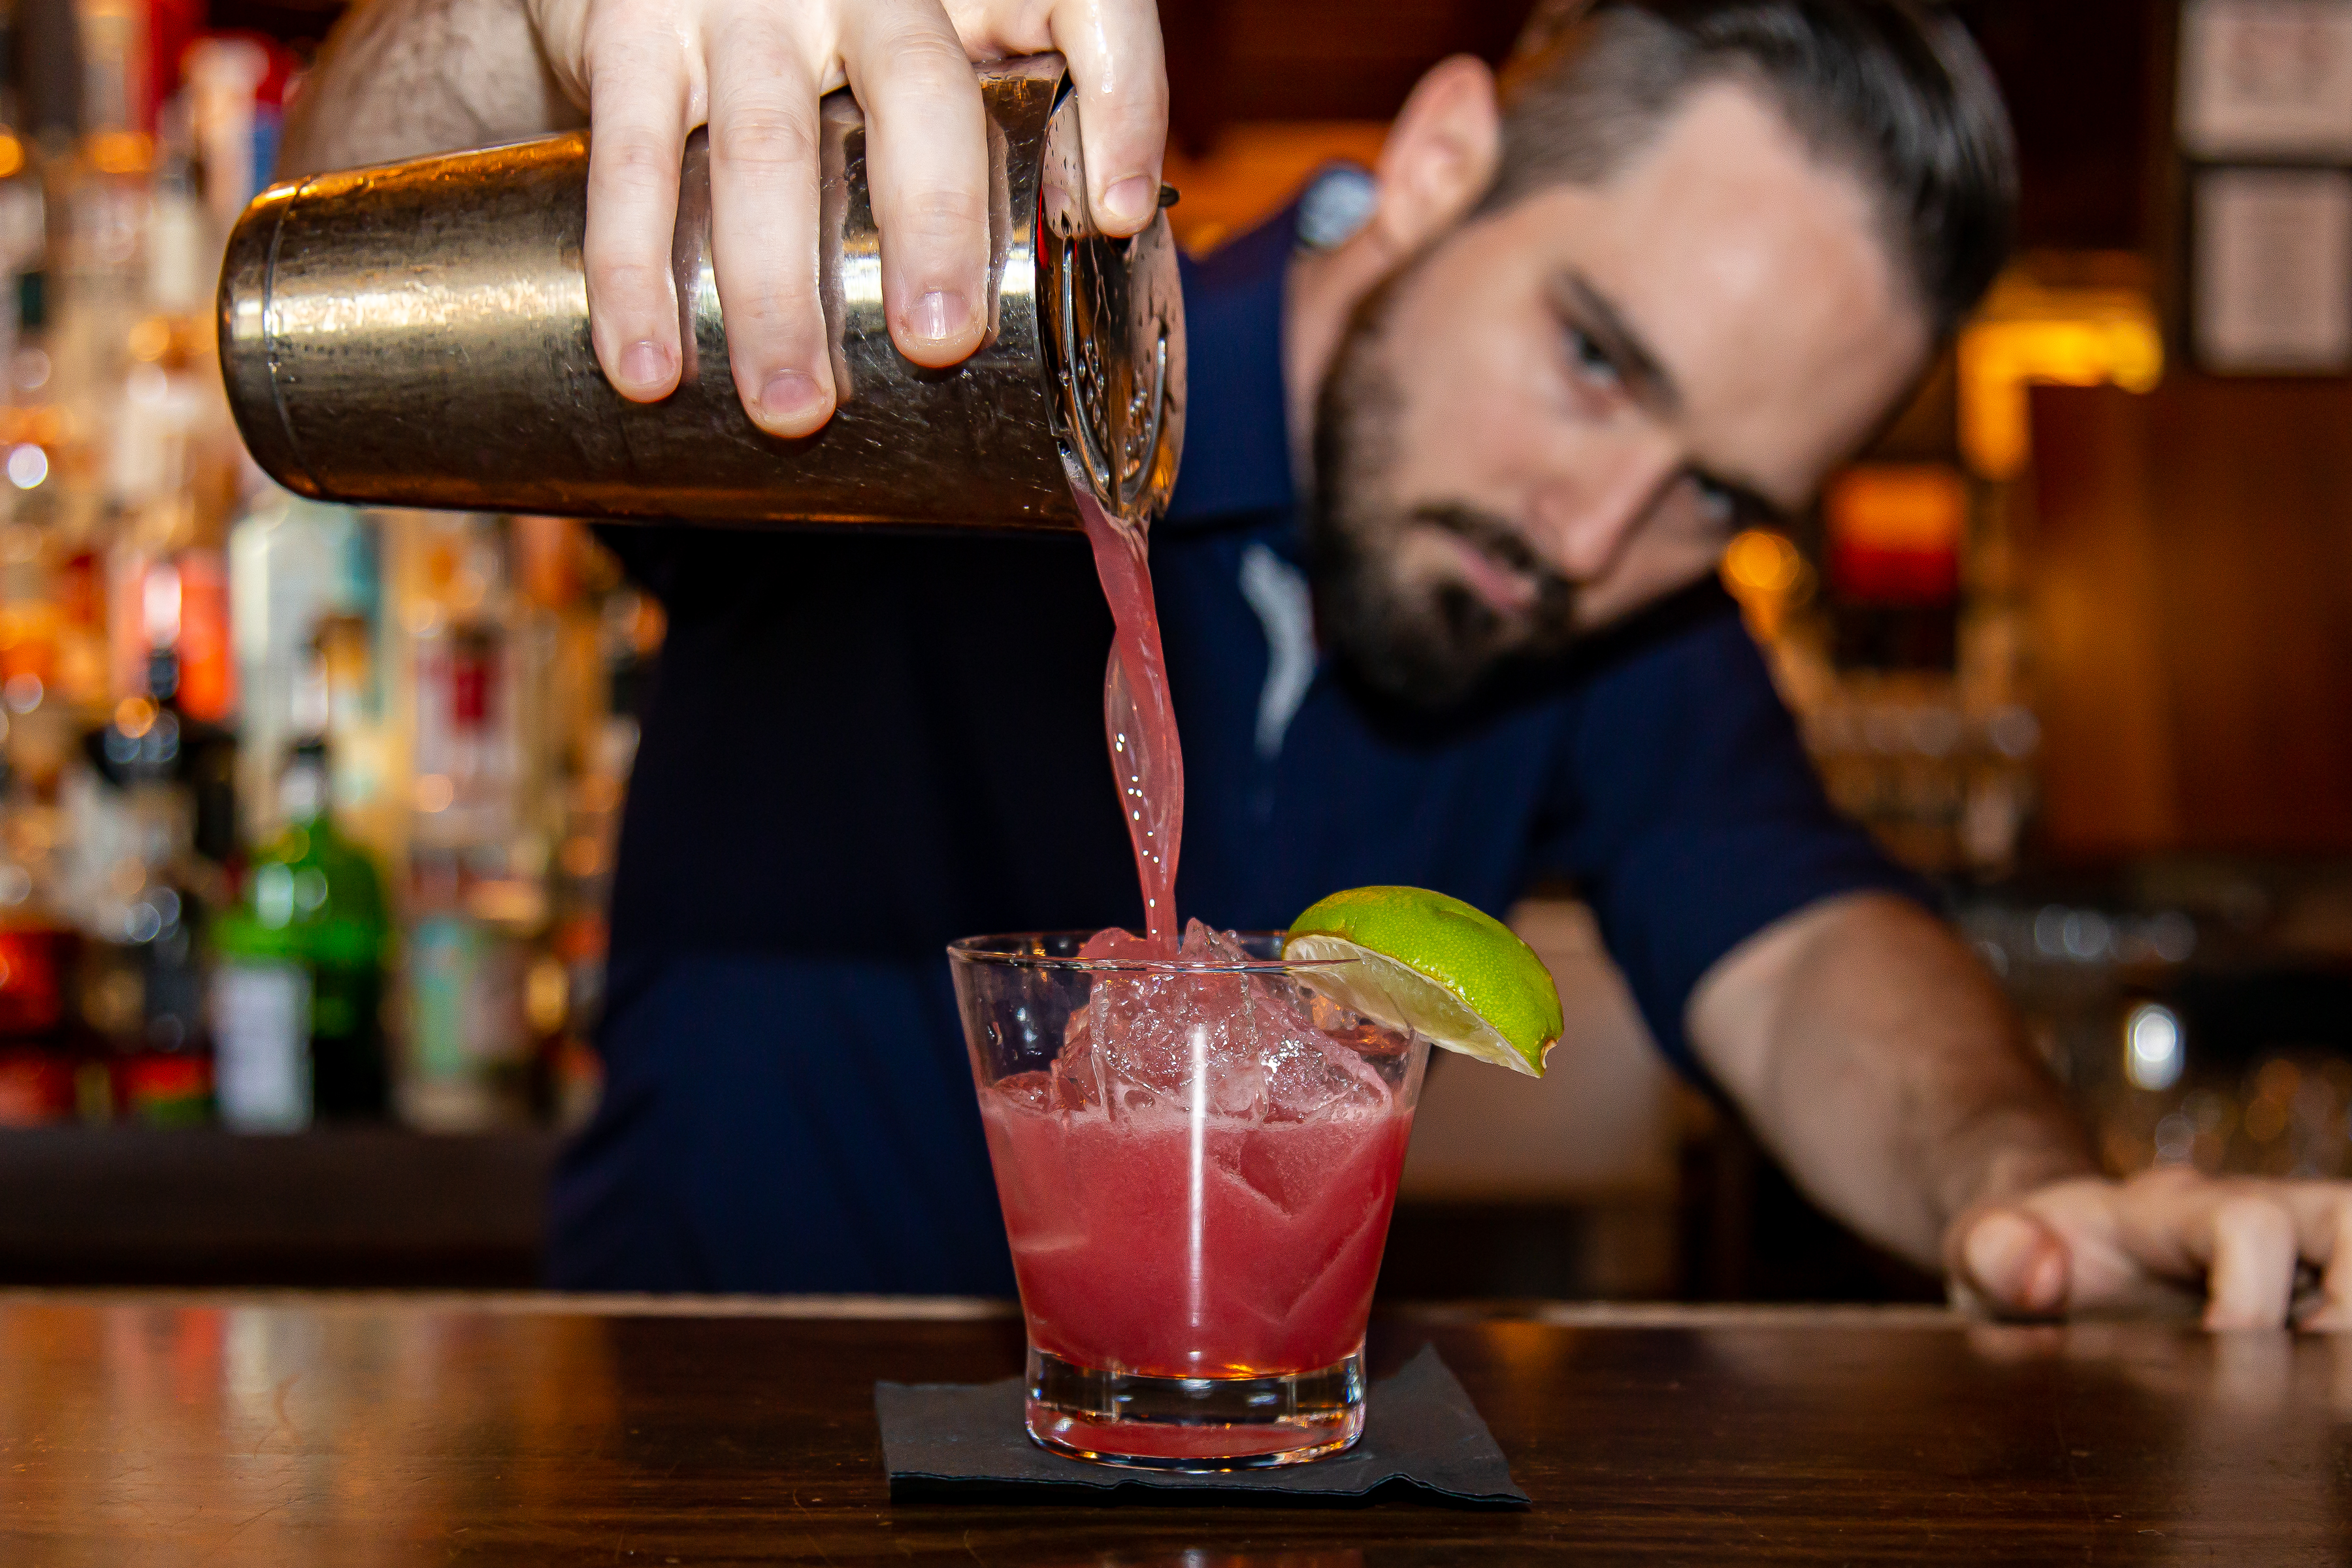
{"x": 1584, "y": 517}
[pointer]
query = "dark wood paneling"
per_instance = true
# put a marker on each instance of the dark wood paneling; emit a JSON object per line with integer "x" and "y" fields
{"x": 2078, "y": 78}
{"x": 339, "y": 1207}
{"x": 1232, "y": 61}
{"x": 358, "y": 1432}
{"x": 2192, "y": 566}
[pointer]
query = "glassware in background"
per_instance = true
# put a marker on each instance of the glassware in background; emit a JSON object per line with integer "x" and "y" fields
{"x": 2191, "y": 1020}
{"x": 1197, "y": 1159}
{"x": 1903, "y": 655}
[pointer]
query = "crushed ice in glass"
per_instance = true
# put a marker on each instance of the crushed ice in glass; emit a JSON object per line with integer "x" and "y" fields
{"x": 1246, "y": 1048}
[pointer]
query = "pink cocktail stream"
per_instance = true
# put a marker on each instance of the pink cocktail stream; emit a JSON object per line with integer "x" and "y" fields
{"x": 1139, "y": 722}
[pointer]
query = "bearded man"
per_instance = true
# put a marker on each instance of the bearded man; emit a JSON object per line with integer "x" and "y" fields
{"x": 1466, "y": 438}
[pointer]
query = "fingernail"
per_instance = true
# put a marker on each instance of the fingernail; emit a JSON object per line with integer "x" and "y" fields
{"x": 2045, "y": 1289}
{"x": 645, "y": 364}
{"x": 1997, "y": 1252}
{"x": 790, "y": 396}
{"x": 938, "y": 314}
{"x": 1131, "y": 202}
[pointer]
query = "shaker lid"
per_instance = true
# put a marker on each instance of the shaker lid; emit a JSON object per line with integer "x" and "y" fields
{"x": 1112, "y": 317}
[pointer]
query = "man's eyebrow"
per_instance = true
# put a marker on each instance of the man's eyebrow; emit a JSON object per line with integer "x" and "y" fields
{"x": 1593, "y": 313}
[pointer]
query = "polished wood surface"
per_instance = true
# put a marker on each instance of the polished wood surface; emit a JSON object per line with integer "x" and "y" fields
{"x": 371, "y": 1430}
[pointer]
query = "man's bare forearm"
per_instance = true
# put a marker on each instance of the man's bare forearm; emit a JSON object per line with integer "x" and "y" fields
{"x": 1885, "y": 1068}
{"x": 402, "y": 79}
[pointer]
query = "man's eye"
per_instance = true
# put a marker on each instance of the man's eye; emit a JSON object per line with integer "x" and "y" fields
{"x": 1592, "y": 361}
{"x": 1720, "y": 504}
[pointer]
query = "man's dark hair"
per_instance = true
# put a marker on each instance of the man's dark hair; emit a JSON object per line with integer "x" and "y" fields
{"x": 1894, "y": 89}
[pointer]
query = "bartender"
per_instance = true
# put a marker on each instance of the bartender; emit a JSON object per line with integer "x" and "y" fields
{"x": 1466, "y": 440}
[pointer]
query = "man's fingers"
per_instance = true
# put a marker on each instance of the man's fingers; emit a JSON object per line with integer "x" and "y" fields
{"x": 2248, "y": 1238}
{"x": 641, "y": 89}
{"x": 764, "y": 178}
{"x": 927, "y": 168}
{"x": 2016, "y": 1263}
{"x": 2333, "y": 1314}
{"x": 2250, "y": 1278}
{"x": 1121, "y": 71}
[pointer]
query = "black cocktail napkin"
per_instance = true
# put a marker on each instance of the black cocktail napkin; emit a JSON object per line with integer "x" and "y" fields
{"x": 965, "y": 1442}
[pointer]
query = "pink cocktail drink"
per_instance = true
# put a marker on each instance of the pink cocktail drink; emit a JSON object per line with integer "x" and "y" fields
{"x": 1290, "y": 1222}
{"x": 1197, "y": 1159}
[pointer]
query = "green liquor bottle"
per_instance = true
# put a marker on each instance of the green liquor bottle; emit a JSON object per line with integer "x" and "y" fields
{"x": 297, "y": 990}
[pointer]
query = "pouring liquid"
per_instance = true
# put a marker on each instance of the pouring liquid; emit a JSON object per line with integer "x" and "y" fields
{"x": 1139, "y": 723}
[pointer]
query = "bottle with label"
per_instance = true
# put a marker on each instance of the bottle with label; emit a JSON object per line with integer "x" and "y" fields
{"x": 298, "y": 987}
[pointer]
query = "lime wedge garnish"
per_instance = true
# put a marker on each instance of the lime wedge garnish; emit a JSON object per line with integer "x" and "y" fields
{"x": 1434, "y": 965}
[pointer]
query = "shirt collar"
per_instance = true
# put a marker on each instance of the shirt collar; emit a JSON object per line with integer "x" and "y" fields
{"x": 1236, "y": 413}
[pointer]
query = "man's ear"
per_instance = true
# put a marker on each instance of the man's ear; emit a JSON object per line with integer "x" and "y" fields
{"x": 1441, "y": 154}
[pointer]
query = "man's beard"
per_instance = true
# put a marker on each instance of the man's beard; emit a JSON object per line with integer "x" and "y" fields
{"x": 1429, "y": 647}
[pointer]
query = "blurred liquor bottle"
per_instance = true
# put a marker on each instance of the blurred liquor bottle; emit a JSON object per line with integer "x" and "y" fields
{"x": 303, "y": 582}
{"x": 602, "y": 636}
{"x": 297, "y": 986}
{"x": 467, "y": 1058}
{"x": 131, "y": 817}
{"x": 459, "y": 609}
{"x": 102, "y": 197}
{"x": 37, "y": 1062}
{"x": 476, "y": 894}
{"x": 37, "y": 955}
{"x": 234, "y": 87}
{"x": 23, "y": 210}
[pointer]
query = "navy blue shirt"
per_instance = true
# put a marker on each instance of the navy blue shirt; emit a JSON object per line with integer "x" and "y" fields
{"x": 862, "y": 746}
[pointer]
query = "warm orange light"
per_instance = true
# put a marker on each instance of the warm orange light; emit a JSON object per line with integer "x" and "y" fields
{"x": 11, "y": 155}
{"x": 1898, "y": 507}
{"x": 39, "y": 426}
{"x": 134, "y": 716}
{"x": 121, "y": 152}
{"x": 2029, "y": 335}
{"x": 581, "y": 857}
{"x": 1762, "y": 562}
{"x": 150, "y": 338}
{"x": 434, "y": 792}
{"x": 547, "y": 996}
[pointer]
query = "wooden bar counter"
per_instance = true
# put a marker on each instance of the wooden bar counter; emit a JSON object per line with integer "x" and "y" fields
{"x": 374, "y": 1429}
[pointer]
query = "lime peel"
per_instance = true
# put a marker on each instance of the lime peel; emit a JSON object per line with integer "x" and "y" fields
{"x": 1434, "y": 965}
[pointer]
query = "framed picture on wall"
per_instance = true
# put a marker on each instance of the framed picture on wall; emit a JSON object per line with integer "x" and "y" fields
{"x": 2266, "y": 78}
{"x": 2272, "y": 271}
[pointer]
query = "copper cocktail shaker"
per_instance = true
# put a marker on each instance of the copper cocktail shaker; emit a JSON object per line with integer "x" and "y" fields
{"x": 416, "y": 334}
